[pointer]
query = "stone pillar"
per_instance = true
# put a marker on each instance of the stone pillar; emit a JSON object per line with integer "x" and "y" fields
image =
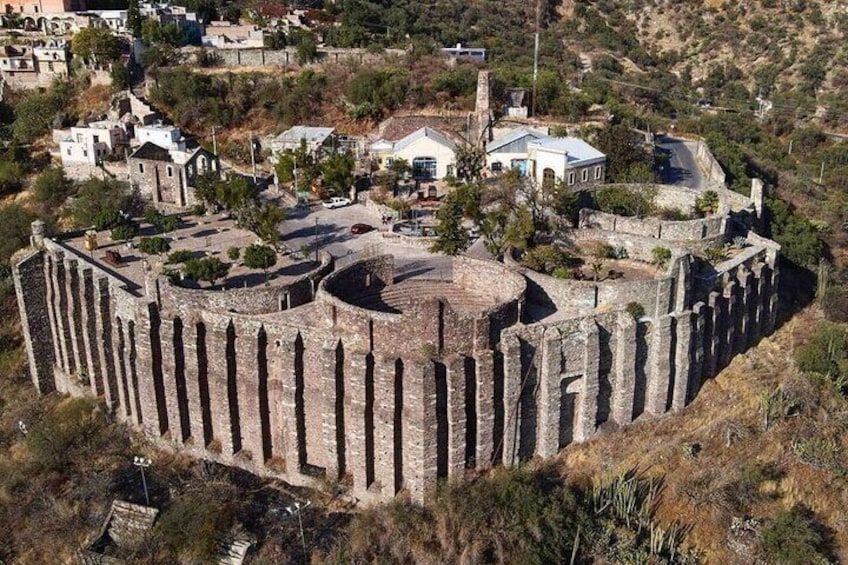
{"x": 624, "y": 368}
{"x": 731, "y": 293}
{"x": 758, "y": 307}
{"x": 192, "y": 378}
{"x": 61, "y": 308}
{"x": 122, "y": 368}
{"x": 773, "y": 304}
{"x": 587, "y": 411}
{"x": 105, "y": 342}
{"x": 384, "y": 414}
{"x": 716, "y": 304}
{"x": 550, "y": 369}
{"x": 154, "y": 419}
{"x": 420, "y": 465}
{"x": 485, "y": 376}
{"x": 682, "y": 361}
{"x": 743, "y": 314}
{"x": 90, "y": 342}
{"x": 50, "y": 284}
{"x": 455, "y": 366}
{"x": 169, "y": 380}
{"x": 656, "y": 398}
{"x": 39, "y": 333}
{"x": 216, "y": 353}
{"x": 288, "y": 434}
{"x": 74, "y": 312}
{"x": 700, "y": 312}
{"x": 355, "y": 418}
{"x": 511, "y": 348}
{"x": 247, "y": 384}
{"x": 330, "y": 416}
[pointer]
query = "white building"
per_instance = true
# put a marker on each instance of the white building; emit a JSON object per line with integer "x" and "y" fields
{"x": 39, "y": 65}
{"x": 565, "y": 159}
{"x": 510, "y": 151}
{"x": 92, "y": 143}
{"x": 430, "y": 153}
{"x": 165, "y": 136}
{"x": 316, "y": 138}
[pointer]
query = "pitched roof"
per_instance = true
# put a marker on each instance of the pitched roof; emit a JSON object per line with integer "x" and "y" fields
{"x": 512, "y": 137}
{"x": 575, "y": 148}
{"x": 309, "y": 133}
{"x": 152, "y": 152}
{"x": 435, "y": 135}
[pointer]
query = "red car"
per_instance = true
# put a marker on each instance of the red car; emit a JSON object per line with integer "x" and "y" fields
{"x": 357, "y": 229}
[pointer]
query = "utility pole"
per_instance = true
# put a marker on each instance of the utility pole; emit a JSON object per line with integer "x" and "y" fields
{"x": 790, "y": 146}
{"x": 821, "y": 173}
{"x": 536, "y": 53}
{"x": 298, "y": 510}
{"x": 142, "y": 463}
{"x": 253, "y": 158}
{"x": 214, "y": 143}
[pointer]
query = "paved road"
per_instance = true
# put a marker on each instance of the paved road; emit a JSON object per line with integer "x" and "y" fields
{"x": 682, "y": 168}
{"x": 331, "y": 228}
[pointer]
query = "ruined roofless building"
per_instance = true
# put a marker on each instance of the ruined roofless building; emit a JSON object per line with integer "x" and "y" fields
{"x": 392, "y": 377}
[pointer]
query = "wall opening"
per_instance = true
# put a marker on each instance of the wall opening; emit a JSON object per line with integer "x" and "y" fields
{"x": 156, "y": 367}
{"x": 122, "y": 368}
{"x": 498, "y": 392}
{"x": 640, "y": 385}
{"x": 203, "y": 385}
{"x": 264, "y": 407}
{"x": 398, "y": 426}
{"x": 441, "y": 338}
{"x": 110, "y": 370}
{"x": 232, "y": 388}
{"x": 527, "y": 409}
{"x": 299, "y": 408}
{"x": 604, "y": 371}
{"x": 369, "y": 420}
{"x": 67, "y": 347}
{"x": 134, "y": 372}
{"x": 672, "y": 363}
{"x": 441, "y": 420}
{"x": 470, "y": 413}
{"x": 567, "y": 412}
{"x": 179, "y": 374}
{"x": 339, "y": 410}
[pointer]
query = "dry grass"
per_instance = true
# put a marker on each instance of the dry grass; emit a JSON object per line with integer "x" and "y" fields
{"x": 703, "y": 490}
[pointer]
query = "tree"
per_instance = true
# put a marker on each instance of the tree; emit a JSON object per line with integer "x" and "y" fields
{"x": 451, "y": 237}
{"x": 15, "y": 230}
{"x": 260, "y": 257}
{"x": 208, "y": 269}
{"x": 298, "y": 164}
{"x": 337, "y": 172}
{"x": 96, "y": 45}
{"x": 206, "y": 187}
{"x": 307, "y": 49}
{"x": 707, "y": 203}
{"x": 11, "y": 176}
{"x": 134, "y": 19}
{"x": 153, "y": 245}
{"x": 400, "y": 166}
{"x": 624, "y": 152}
{"x": 125, "y": 231}
{"x": 97, "y": 199}
{"x": 51, "y": 186}
{"x": 234, "y": 192}
{"x": 469, "y": 163}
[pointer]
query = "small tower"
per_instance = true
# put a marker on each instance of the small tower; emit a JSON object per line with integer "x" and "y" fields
{"x": 37, "y": 238}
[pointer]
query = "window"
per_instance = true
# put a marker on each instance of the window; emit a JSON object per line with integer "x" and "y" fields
{"x": 170, "y": 170}
{"x": 389, "y": 162}
{"x": 598, "y": 172}
{"x": 141, "y": 167}
{"x": 96, "y": 138}
{"x": 585, "y": 175}
{"x": 85, "y": 152}
{"x": 69, "y": 151}
{"x": 424, "y": 167}
{"x": 497, "y": 167}
{"x": 79, "y": 138}
{"x": 570, "y": 179}
{"x": 50, "y": 67}
{"x": 548, "y": 178}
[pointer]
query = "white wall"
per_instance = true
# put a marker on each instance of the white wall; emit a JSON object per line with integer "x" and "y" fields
{"x": 428, "y": 147}
{"x": 166, "y": 138}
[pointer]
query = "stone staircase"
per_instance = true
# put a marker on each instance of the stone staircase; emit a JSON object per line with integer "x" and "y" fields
{"x": 399, "y": 297}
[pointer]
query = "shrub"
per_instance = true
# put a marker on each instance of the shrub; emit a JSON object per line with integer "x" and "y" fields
{"x": 51, "y": 186}
{"x": 636, "y": 310}
{"x": 179, "y": 256}
{"x": 661, "y": 256}
{"x": 715, "y": 254}
{"x": 545, "y": 258}
{"x": 707, "y": 203}
{"x": 791, "y": 537}
{"x": 563, "y": 273}
{"x": 194, "y": 524}
{"x": 624, "y": 201}
{"x": 153, "y": 245}
{"x": 124, "y": 231}
{"x": 259, "y": 257}
{"x": 233, "y": 253}
{"x": 209, "y": 269}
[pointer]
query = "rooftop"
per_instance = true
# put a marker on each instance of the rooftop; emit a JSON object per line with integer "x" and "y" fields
{"x": 426, "y": 131}
{"x": 309, "y": 134}
{"x": 575, "y": 148}
{"x": 204, "y": 236}
{"x": 512, "y": 137}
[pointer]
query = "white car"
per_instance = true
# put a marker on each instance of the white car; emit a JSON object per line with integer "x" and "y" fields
{"x": 336, "y": 202}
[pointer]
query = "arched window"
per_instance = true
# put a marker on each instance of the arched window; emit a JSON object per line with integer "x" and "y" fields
{"x": 548, "y": 178}
{"x": 497, "y": 167}
{"x": 585, "y": 175}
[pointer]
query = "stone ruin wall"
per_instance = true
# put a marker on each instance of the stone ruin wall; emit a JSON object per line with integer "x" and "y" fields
{"x": 388, "y": 402}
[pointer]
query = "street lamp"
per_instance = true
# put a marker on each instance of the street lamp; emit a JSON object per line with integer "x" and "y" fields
{"x": 142, "y": 463}
{"x": 316, "y": 239}
{"x": 298, "y": 510}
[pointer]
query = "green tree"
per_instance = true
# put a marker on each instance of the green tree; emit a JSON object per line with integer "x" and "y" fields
{"x": 337, "y": 172}
{"x": 101, "y": 198}
{"x": 707, "y": 203}
{"x": 469, "y": 163}
{"x": 790, "y": 538}
{"x": 234, "y": 192}
{"x": 307, "y": 49}
{"x": 208, "y": 269}
{"x": 125, "y": 231}
{"x": 451, "y": 237}
{"x": 51, "y": 186}
{"x": 153, "y": 245}
{"x": 15, "y": 229}
{"x": 97, "y": 45}
{"x": 11, "y": 176}
{"x": 400, "y": 166}
{"x": 625, "y": 152}
{"x": 134, "y": 19}
{"x": 37, "y": 112}
{"x": 260, "y": 257}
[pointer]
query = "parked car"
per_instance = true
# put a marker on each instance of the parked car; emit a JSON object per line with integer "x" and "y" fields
{"x": 336, "y": 202}
{"x": 357, "y": 229}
